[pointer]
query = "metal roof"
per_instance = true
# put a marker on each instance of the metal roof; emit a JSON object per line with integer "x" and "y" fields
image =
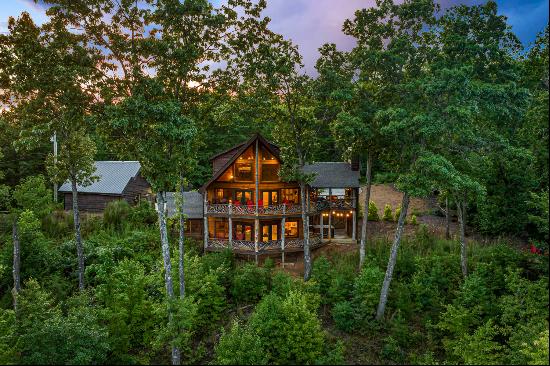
{"x": 333, "y": 175}
{"x": 192, "y": 204}
{"x": 113, "y": 177}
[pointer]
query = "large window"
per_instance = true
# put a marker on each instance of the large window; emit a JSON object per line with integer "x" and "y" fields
{"x": 290, "y": 195}
{"x": 270, "y": 172}
{"x": 291, "y": 229}
{"x": 244, "y": 166}
{"x": 270, "y": 167}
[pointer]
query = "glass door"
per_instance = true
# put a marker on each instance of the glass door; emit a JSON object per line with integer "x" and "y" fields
{"x": 270, "y": 198}
{"x": 244, "y": 231}
{"x": 270, "y": 231}
{"x": 243, "y": 196}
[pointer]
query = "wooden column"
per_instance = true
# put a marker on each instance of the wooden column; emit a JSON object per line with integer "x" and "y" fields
{"x": 230, "y": 224}
{"x": 322, "y": 226}
{"x": 256, "y": 196}
{"x": 256, "y": 237}
{"x": 330, "y": 214}
{"x": 354, "y": 214}
{"x": 283, "y": 222}
{"x": 205, "y": 210}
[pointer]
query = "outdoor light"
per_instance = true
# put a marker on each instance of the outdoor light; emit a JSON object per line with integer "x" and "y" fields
{"x": 334, "y": 212}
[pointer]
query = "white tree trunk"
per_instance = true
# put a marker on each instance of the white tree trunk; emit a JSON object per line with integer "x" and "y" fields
{"x": 447, "y": 219}
{"x": 16, "y": 264}
{"x": 167, "y": 266}
{"x": 182, "y": 244}
{"x": 364, "y": 231}
{"x": 393, "y": 257}
{"x": 305, "y": 224}
{"x": 461, "y": 207}
{"x": 78, "y": 237}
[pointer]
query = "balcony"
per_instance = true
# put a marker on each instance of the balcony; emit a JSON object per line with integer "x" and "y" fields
{"x": 265, "y": 210}
{"x": 277, "y": 210}
{"x": 272, "y": 246}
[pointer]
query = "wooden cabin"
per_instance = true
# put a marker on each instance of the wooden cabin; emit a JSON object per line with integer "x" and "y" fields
{"x": 249, "y": 209}
{"x": 117, "y": 180}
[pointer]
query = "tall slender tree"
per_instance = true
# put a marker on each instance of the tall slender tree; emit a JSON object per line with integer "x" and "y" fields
{"x": 48, "y": 84}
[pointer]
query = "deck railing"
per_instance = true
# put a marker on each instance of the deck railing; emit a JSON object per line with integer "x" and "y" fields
{"x": 268, "y": 246}
{"x": 278, "y": 209}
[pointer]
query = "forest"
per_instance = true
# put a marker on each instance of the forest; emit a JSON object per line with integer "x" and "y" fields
{"x": 438, "y": 102}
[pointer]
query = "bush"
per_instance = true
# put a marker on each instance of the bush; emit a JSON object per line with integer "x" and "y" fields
{"x": 143, "y": 214}
{"x": 414, "y": 221}
{"x": 289, "y": 331}
{"x": 397, "y": 212}
{"x": 343, "y": 315}
{"x": 373, "y": 212}
{"x": 366, "y": 292}
{"x": 58, "y": 224}
{"x": 49, "y": 337}
{"x": 240, "y": 346}
{"x": 32, "y": 194}
{"x": 115, "y": 214}
{"x": 388, "y": 216}
{"x": 250, "y": 283}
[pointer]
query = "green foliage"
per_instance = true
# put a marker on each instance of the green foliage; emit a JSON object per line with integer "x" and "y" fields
{"x": 240, "y": 346}
{"x": 288, "y": 329}
{"x": 373, "y": 212}
{"x": 414, "y": 221}
{"x": 142, "y": 214}
{"x": 115, "y": 214}
{"x": 250, "y": 283}
{"x": 539, "y": 217}
{"x": 58, "y": 224}
{"x": 397, "y": 213}
{"x": 32, "y": 194}
{"x": 47, "y": 336}
{"x": 388, "y": 215}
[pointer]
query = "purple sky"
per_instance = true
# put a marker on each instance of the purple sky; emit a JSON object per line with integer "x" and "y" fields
{"x": 310, "y": 23}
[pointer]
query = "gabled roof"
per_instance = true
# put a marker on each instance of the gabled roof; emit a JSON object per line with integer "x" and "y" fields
{"x": 273, "y": 149}
{"x": 333, "y": 175}
{"x": 113, "y": 177}
{"x": 192, "y": 204}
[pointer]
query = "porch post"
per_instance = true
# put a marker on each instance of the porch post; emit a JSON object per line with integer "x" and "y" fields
{"x": 256, "y": 195}
{"x": 354, "y": 214}
{"x": 205, "y": 210}
{"x": 322, "y": 226}
{"x": 230, "y": 224}
{"x": 283, "y": 222}
{"x": 329, "y": 213}
{"x": 256, "y": 237}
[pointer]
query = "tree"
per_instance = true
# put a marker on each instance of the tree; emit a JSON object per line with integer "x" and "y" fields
{"x": 353, "y": 86}
{"x": 55, "y": 99}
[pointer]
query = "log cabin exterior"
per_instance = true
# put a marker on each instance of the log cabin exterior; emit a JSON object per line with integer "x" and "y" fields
{"x": 249, "y": 209}
{"x": 116, "y": 180}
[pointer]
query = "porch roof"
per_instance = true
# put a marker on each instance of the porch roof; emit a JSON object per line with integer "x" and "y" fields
{"x": 333, "y": 175}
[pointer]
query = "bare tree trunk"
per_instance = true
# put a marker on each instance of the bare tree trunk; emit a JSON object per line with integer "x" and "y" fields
{"x": 305, "y": 223}
{"x": 364, "y": 231}
{"x": 447, "y": 219}
{"x": 461, "y": 207}
{"x": 78, "y": 238}
{"x": 167, "y": 266}
{"x": 16, "y": 264}
{"x": 393, "y": 257}
{"x": 182, "y": 244}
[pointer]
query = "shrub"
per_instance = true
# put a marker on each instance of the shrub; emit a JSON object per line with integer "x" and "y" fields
{"x": 250, "y": 283}
{"x": 49, "y": 337}
{"x": 343, "y": 314}
{"x": 388, "y": 216}
{"x": 289, "y": 331}
{"x": 414, "y": 221}
{"x": 321, "y": 273}
{"x": 58, "y": 224}
{"x": 373, "y": 212}
{"x": 397, "y": 212}
{"x": 32, "y": 194}
{"x": 115, "y": 214}
{"x": 240, "y": 346}
{"x": 142, "y": 214}
{"x": 366, "y": 292}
